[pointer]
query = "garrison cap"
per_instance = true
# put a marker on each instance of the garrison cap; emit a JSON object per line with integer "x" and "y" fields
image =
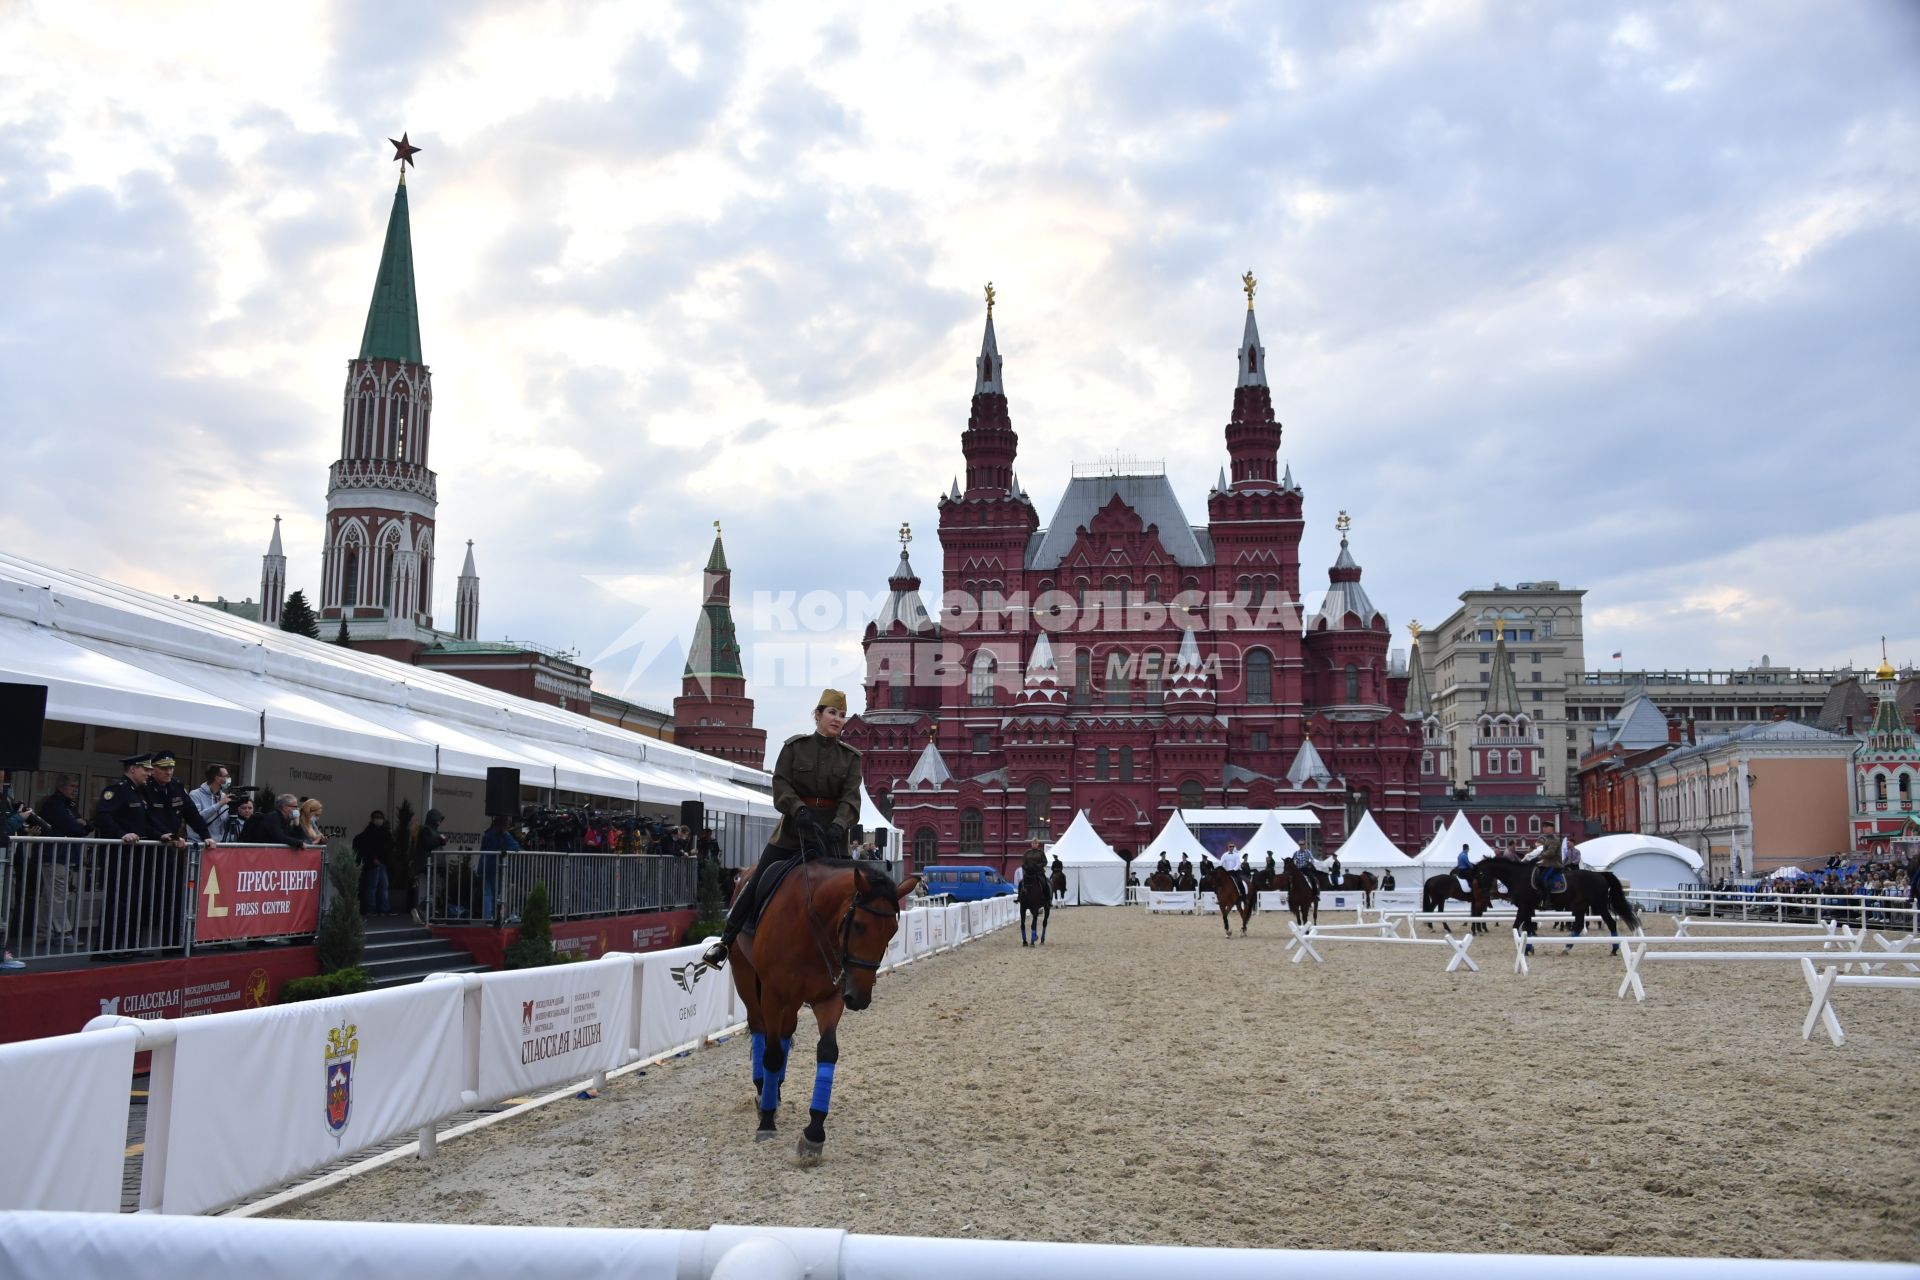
{"x": 832, "y": 698}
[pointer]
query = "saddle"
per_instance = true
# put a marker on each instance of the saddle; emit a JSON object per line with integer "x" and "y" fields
{"x": 765, "y": 885}
{"x": 1549, "y": 880}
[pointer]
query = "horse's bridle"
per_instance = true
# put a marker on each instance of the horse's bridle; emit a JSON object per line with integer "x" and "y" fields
{"x": 861, "y": 902}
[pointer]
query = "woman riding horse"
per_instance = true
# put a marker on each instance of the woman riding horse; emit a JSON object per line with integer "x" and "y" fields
{"x": 816, "y": 911}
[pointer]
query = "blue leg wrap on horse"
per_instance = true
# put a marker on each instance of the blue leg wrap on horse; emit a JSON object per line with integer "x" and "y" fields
{"x": 822, "y": 1087}
{"x": 759, "y": 1049}
{"x": 770, "y": 1092}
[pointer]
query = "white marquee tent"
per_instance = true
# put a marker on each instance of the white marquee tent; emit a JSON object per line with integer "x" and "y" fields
{"x": 1643, "y": 862}
{"x": 1096, "y": 875}
{"x": 1175, "y": 839}
{"x": 1368, "y": 848}
{"x": 1272, "y": 838}
{"x": 873, "y": 822}
{"x": 1444, "y": 849}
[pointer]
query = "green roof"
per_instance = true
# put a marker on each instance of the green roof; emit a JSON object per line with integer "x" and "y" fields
{"x": 717, "y": 562}
{"x": 393, "y": 318}
{"x": 715, "y": 650}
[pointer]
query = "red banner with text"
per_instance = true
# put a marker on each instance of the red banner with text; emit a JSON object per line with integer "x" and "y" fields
{"x": 256, "y": 893}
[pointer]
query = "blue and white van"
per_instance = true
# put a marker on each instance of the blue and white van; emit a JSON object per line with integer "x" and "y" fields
{"x": 965, "y": 884}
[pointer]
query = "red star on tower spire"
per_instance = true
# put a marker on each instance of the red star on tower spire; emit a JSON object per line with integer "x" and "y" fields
{"x": 403, "y": 151}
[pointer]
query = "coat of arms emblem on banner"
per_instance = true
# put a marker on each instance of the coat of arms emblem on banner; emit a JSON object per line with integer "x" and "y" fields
{"x": 343, "y": 1046}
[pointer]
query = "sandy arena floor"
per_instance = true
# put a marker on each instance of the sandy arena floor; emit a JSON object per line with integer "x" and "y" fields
{"x": 1146, "y": 1081}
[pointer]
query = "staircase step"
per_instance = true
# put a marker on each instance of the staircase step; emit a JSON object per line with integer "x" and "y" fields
{"x": 403, "y": 976}
{"x": 401, "y": 948}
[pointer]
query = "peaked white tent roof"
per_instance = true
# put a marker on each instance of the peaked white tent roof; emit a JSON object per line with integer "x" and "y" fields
{"x": 1368, "y": 846}
{"x": 871, "y": 819}
{"x": 1174, "y": 840}
{"x": 1272, "y": 838}
{"x": 1080, "y": 845}
{"x": 1444, "y": 849}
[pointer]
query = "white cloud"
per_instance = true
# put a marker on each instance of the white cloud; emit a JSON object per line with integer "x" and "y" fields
{"x": 1604, "y": 293}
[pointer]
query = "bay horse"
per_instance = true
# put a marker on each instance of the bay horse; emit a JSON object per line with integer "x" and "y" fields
{"x": 1161, "y": 882}
{"x": 819, "y": 942}
{"x": 1226, "y": 893}
{"x": 1598, "y": 891}
{"x": 1303, "y": 896}
{"x": 1361, "y": 880}
{"x": 1036, "y": 900}
{"x": 1442, "y": 889}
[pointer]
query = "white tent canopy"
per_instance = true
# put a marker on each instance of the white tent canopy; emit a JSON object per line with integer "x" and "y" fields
{"x": 114, "y": 656}
{"x": 1368, "y": 846}
{"x": 1096, "y": 875}
{"x": 1175, "y": 840}
{"x": 873, "y": 822}
{"x": 1444, "y": 849}
{"x": 1645, "y": 862}
{"x": 1272, "y": 838}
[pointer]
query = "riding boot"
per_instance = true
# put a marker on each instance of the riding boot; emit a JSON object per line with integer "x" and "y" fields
{"x": 715, "y": 956}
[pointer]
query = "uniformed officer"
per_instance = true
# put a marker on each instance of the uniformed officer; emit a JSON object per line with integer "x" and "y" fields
{"x": 177, "y": 813}
{"x": 816, "y": 788}
{"x": 125, "y": 813}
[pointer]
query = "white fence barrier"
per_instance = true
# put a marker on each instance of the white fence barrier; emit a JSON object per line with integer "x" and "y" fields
{"x": 240, "y": 1102}
{"x": 1311, "y": 937}
{"x": 108, "y": 1247}
{"x": 1878, "y": 911}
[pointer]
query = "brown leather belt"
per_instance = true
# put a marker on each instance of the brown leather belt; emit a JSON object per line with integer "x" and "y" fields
{"x": 825, "y": 804}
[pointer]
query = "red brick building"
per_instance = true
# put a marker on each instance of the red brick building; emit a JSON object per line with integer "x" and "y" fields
{"x": 1123, "y": 660}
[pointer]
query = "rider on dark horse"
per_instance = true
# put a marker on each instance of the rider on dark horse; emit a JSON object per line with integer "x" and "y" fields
{"x": 1163, "y": 867}
{"x": 1552, "y": 878}
{"x": 1324, "y": 878}
{"x": 816, "y": 788}
{"x": 1034, "y": 861}
{"x": 1463, "y": 866}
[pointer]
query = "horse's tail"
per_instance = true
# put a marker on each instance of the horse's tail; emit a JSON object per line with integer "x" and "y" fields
{"x": 1617, "y": 899}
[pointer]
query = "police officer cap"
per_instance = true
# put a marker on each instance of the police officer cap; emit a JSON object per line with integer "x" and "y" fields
{"x": 144, "y": 760}
{"x": 163, "y": 759}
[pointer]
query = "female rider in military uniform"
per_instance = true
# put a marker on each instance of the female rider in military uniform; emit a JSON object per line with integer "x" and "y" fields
{"x": 816, "y": 788}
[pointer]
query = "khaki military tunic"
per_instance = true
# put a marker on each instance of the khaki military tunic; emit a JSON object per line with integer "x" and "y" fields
{"x": 820, "y": 773}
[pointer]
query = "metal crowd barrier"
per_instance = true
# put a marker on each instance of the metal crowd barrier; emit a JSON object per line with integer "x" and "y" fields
{"x": 78, "y": 899}
{"x": 477, "y": 887}
{"x": 1866, "y": 910}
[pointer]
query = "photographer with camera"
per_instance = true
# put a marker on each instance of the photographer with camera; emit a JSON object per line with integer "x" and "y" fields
{"x": 210, "y": 800}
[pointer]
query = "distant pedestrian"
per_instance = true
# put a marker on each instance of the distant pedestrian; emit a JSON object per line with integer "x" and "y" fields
{"x": 373, "y": 849}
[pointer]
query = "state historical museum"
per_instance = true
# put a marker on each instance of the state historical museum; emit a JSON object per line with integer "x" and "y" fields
{"x": 1125, "y": 661}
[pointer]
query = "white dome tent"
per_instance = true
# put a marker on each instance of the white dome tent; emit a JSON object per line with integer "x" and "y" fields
{"x": 1368, "y": 849}
{"x": 1643, "y": 862}
{"x": 1096, "y": 875}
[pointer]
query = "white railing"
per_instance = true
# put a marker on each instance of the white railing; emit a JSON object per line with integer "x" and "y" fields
{"x": 109, "y": 1247}
{"x": 1877, "y": 911}
{"x": 397, "y": 1062}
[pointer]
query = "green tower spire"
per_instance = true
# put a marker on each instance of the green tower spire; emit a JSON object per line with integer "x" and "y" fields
{"x": 393, "y": 318}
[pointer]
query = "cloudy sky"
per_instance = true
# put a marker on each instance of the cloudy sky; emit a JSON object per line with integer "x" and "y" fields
{"x": 1622, "y": 295}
